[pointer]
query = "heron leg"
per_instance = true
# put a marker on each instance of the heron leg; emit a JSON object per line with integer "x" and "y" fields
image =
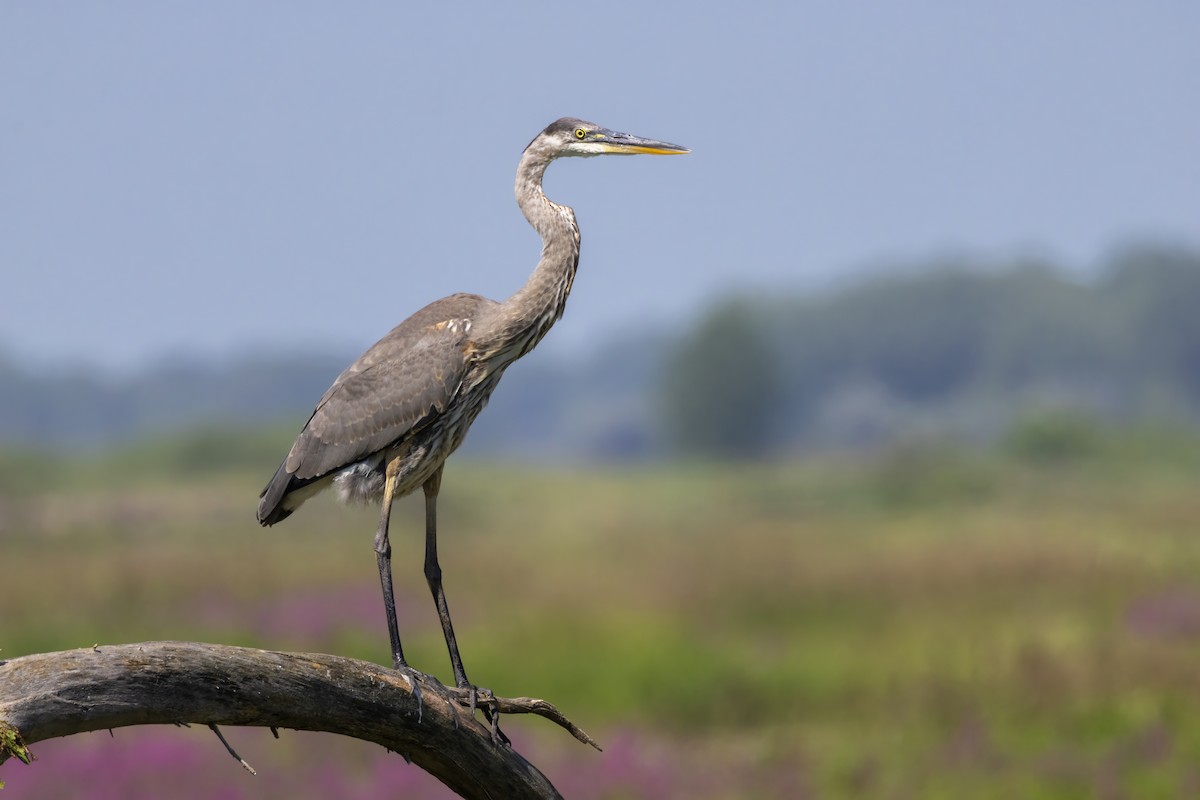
{"x": 433, "y": 575}
{"x": 383, "y": 556}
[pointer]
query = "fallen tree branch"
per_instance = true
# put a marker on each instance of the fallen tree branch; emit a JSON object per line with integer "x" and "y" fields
{"x": 57, "y": 694}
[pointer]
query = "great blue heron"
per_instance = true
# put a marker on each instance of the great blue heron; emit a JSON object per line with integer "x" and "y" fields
{"x": 388, "y": 423}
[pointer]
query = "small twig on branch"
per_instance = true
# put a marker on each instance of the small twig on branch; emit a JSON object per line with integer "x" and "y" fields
{"x": 57, "y": 694}
{"x": 532, "y": 705}
{"x": 229, "y": 747}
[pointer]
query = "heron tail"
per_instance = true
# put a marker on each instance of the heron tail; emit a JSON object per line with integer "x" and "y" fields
{"x": 270, "y": 502}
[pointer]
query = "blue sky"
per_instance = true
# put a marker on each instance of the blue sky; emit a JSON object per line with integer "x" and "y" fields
{"x": 212, "y": 178}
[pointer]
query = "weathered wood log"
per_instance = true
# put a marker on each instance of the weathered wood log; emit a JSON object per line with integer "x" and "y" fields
{"x": 57, "y": 694}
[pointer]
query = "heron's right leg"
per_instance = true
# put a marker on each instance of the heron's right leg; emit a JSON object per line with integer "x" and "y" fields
{"x": 383, "y": 557}
{"x": 433, "y": 575}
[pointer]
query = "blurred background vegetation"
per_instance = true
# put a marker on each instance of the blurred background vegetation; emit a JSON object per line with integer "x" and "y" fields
{"x": 929, "y": 535}
{"x": 954, "y": 348}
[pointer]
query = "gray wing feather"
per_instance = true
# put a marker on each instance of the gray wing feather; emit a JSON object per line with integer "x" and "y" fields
{"x": 404, "y": 381}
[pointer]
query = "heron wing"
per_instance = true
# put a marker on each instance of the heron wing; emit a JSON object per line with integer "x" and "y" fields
{"x": 401, "y": 384}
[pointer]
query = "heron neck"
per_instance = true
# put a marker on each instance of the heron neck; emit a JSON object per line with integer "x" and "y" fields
{"x": 537, "y": 305}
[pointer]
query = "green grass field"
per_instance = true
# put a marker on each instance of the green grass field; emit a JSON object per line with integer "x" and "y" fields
{"x": 922, "y": 624}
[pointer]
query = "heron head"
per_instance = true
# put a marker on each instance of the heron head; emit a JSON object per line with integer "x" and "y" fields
{"x": 575, "y": 137}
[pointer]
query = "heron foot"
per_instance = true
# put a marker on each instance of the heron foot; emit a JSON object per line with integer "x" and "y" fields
{"x": 414, "y": 679}
{"x": 476, "y": 697}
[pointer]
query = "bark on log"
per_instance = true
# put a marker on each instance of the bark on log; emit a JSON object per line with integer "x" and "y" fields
{"x": 57, "y": 694}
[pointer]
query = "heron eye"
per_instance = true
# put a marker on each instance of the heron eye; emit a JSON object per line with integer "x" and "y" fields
{"x": 580, "y": 133}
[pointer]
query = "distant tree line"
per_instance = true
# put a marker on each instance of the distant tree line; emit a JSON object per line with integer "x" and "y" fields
{"x": 939, "y": 350}
{"x": 80, "y": 408}
{"x": 945, "y": 350}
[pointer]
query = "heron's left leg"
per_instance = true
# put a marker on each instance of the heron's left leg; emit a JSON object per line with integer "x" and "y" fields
{"x": 433, "y": 575}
